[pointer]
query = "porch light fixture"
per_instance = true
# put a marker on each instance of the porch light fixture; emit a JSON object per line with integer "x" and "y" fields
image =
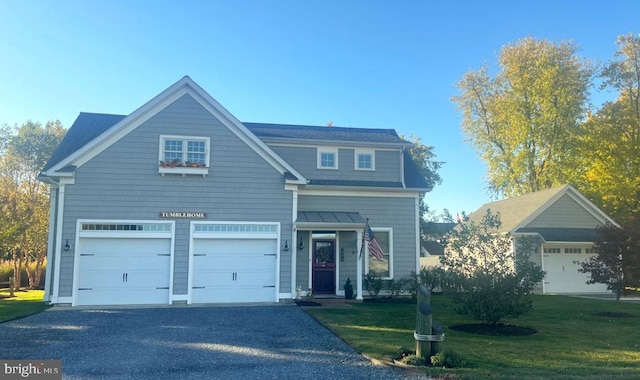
{"x": 67, "y": 247}
{"x": 301, "y": 244}
{"x": 342, "y": 254}
{"x": 286, "y": 245}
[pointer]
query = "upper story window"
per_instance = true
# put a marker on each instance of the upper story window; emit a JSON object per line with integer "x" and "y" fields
{"x": 327, "y": 158}
{"x": 364, "y": 159}
{"x": 184, "y": 155}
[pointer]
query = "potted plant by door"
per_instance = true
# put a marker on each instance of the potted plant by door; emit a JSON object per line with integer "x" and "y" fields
{"x": 348, "y": 289}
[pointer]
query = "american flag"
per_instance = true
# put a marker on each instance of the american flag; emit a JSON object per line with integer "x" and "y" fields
{"x": 372, "y": 243}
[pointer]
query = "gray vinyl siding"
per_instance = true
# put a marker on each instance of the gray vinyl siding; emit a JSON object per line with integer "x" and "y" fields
{"x": 348, "y": 268}
{"x": 565, "y": 213}
{"x": 383, "y": 212}
{"x": 304, "y": 159}
{"x": 123, "y": 183}
{"x": 303, "y": 261}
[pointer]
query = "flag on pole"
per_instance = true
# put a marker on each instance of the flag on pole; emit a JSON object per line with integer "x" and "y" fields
{"x": 372, "y": 243}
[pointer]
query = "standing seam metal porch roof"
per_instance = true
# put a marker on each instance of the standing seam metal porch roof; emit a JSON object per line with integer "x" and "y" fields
{"x": 330, "y": 217}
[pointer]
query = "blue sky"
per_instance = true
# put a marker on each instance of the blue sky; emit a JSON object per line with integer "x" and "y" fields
{"x": 375, "y": 64}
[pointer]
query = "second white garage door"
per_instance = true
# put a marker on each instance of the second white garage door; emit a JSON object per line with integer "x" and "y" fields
{"x": 237, "y": 264}
{"x": 562, "y": 274}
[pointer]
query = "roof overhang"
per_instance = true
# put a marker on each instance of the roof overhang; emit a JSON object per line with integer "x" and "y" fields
{"x": 329, "y": 219}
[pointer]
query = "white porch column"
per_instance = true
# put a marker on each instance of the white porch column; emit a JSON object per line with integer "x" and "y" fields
{"x": 359, "y": 266}
{"x": 58, "y": 245}
{"x": 50, "y": 242}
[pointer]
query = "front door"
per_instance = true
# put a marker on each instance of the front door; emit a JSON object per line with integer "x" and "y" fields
{"x": 324, "y": 267}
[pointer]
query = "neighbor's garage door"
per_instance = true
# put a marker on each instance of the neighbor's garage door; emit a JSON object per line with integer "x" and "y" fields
{"x": 115, "y": 270}
{"x": 236, "y": 263}
{"x": 562, "y": 274}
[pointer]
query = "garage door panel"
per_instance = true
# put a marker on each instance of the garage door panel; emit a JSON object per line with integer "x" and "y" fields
{"x": 562, "y": 274}
{"x": 234, "y": 270}
{"x": 120, "y": 271}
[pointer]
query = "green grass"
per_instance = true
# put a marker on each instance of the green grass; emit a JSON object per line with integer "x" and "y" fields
{"x": 572, "y": 342}
{"x": 24, "y": 303}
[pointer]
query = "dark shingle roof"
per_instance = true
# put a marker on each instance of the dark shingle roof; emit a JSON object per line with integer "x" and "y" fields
{"x": 315, "y": 133}
{"x": 563, "y": 234}
{"x": 87, "y": 127}
{"x": 353, "y": 183}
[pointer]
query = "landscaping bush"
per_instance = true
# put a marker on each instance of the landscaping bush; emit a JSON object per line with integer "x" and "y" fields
{"x": 373, "y": 283}
{"x": 414, "y": 360}
{"x": 447, "y": 359}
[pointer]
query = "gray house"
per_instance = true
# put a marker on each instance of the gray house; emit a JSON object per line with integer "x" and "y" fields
{"x": 179, "y": 202}
{"x": 563, "y": 224}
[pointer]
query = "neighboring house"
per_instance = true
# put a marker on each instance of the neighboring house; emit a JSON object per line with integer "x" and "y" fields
{"x": 563, "y": 224}
{"x": 433, "y": 246}
{"x": 179, "y": 202}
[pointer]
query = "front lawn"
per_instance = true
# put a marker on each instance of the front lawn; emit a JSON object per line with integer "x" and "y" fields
{"x": 24, "y": 303}
{"x": 577, "y": 338}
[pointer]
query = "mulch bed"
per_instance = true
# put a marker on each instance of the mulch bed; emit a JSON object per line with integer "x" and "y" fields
{"x": 494, "y": 330}
{"x": 307, "y": 303}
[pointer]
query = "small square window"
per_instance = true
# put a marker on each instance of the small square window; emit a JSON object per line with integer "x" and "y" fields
{"x": 364, "y": 159}
{"x": 328, "y": 159}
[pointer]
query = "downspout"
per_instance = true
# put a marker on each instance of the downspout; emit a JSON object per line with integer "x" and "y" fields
{"x": 53, "y": 196}
{"x": 294, "y": 243}
{"x": 359, "y": 266}
{"x": 402, "y": 153}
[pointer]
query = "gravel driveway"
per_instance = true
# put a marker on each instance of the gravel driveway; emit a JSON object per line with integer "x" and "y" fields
{"x": 250, "y": 342}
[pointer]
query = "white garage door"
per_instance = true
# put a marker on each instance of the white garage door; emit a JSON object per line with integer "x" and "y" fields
{"x": 234, "y": 271}
{"x": 238, "y": 269}
{"x": 123, "y": 267}
{"x": 563, "y": 276}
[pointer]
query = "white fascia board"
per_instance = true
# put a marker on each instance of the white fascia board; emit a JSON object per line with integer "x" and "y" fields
{"x": 231, "y": 122}
{"x": 356, "y": 191}
{"x": 576, "y": 196}
{"x": 184, "y": 86}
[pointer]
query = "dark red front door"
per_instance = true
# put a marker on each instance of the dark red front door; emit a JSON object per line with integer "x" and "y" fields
{"x": 324, "y": 267}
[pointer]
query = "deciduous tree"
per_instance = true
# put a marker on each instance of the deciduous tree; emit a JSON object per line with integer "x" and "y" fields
{"x": 617, "y": 259}
{"x": 610, "y": 138}
{"x": 23, "y": 199}
{"x": 523, "y": 120}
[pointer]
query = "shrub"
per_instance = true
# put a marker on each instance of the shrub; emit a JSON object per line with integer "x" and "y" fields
{"x": 373, "y": 283}
{"x": 414, "y": 360}
{"x": 496, "y": 283}
{"x": 400, "y": 287}
{"x": 447, "y": 359}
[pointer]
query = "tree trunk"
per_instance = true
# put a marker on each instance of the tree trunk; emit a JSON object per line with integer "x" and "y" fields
{"x": 17, "y": 259}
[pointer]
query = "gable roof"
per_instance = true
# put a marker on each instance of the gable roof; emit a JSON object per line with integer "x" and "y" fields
{"x": 517, "y": 212}
{"x": 85, "y": 128}
{"x": 92, "y": 133}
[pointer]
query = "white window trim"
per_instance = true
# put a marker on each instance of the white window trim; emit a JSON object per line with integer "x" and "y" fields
{"x": 183, "y": 170}
{"x": 366, "y": 259}
{"x": 333, "y": 151}
{"x": 356, "y": 155}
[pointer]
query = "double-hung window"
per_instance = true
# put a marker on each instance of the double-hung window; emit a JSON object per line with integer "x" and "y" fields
{"x": 184, "y": 154}
{"x": 382, "y": 267}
